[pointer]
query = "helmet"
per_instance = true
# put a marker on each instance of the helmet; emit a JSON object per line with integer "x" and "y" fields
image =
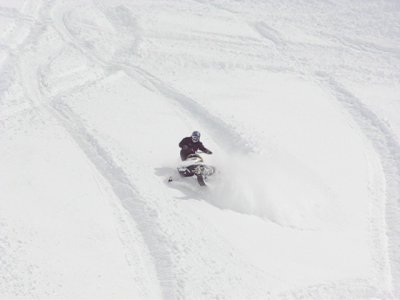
{"x": 195, "y": 136}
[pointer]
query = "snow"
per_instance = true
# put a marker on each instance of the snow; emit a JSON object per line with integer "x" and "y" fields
{"x": 298, "y": 100}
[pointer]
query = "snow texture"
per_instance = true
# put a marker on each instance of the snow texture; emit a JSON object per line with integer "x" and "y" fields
{"x": 298, "y": 100}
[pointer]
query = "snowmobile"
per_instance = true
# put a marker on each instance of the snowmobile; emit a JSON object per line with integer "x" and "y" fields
{"x": 194, "y": 166}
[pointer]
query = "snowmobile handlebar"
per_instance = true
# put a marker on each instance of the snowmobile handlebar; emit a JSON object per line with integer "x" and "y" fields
{"x": 201, "y": 152}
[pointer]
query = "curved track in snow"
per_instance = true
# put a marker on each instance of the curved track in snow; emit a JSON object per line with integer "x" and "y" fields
{"x": 389, "y": 152}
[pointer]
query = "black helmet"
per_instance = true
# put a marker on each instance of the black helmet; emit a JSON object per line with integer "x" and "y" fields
{"x": 195, "y": 136}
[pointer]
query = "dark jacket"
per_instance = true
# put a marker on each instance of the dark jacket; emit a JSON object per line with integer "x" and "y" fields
{"x": 190, "y": 147}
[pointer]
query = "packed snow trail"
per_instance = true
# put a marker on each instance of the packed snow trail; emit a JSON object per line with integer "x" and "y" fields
{"x": 95, "y": 96}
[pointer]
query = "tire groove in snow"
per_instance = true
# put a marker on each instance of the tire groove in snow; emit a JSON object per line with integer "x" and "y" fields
{"x": 375, "y": 130}
{"x": 389, "y": 151}
{"x": 122, "y": 187}
{"x": 227, "y": 136}
{"x": 126, "y": 191}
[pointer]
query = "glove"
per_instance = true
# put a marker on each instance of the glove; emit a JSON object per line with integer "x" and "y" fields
{"x": 209, "y": 152}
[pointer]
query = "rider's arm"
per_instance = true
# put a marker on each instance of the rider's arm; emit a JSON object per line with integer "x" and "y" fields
{"x": 204, "y": 149}
{"x": 182, "y": 143}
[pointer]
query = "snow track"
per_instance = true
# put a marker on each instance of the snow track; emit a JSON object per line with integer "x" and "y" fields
{"x": 36, "y": 93}
{"x": 124, "y": 189}
{"x": 389, "y": 151}
{"x": 223, "y": 133}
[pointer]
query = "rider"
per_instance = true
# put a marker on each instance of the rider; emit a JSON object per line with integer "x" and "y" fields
{"x": 191, "y": 144}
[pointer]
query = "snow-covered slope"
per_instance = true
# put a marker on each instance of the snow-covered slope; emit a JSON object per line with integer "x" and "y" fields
{"x": 298, "y": 100}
